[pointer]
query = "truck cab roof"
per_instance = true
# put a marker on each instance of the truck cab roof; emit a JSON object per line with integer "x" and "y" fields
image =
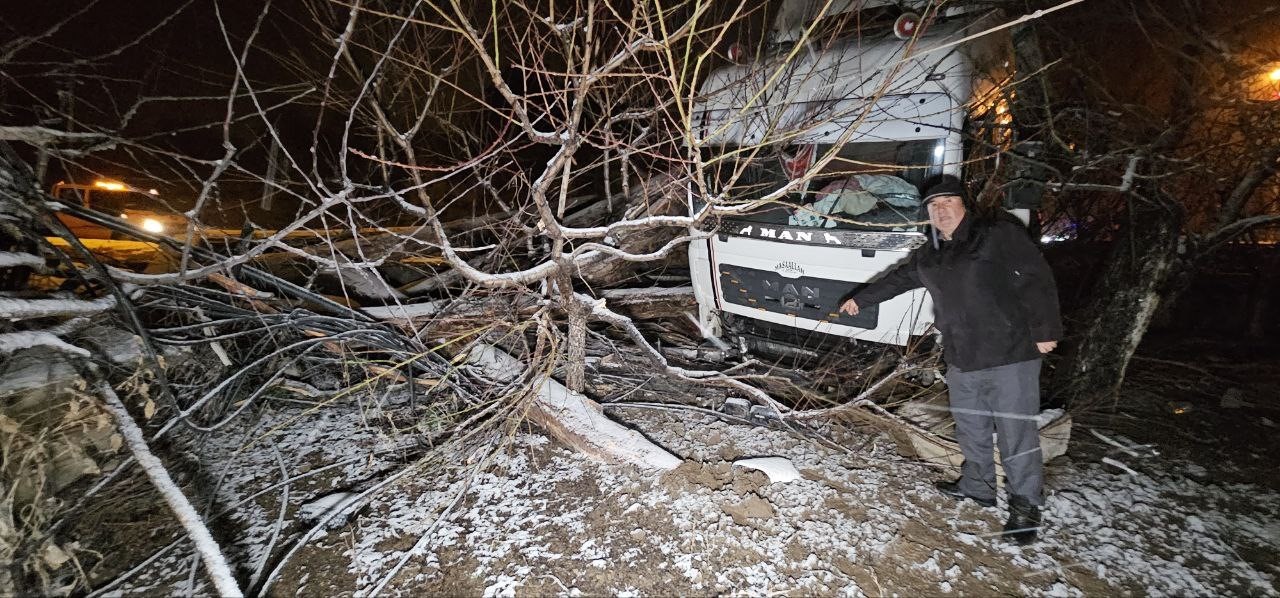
{"x": 797, "y": 94}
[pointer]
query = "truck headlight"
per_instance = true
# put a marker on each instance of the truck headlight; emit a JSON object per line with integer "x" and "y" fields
{"x": 152, "y": 225}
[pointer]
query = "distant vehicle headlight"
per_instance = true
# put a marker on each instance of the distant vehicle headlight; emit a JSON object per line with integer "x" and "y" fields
{"x": 152, "y": 226}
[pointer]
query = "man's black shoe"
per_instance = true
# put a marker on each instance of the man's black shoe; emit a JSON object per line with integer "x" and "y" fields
{"x": 952, "y": 489}
{"x": 1024, "y": 521}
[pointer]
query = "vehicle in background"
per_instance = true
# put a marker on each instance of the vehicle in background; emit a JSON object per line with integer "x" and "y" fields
{"x": 140, "y": 207}
{"x": 830, "y": 136}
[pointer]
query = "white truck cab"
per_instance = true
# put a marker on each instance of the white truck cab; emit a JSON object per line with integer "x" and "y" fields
{"x": 819, "y": 146}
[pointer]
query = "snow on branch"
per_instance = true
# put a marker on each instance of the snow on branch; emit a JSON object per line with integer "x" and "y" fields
{"x": 210, "y": 553}
{"x": 9, "y": 259}
{"x": 16, "y": 341}
{"x": 22, "y": 309}
{"x": 45, "y": 135}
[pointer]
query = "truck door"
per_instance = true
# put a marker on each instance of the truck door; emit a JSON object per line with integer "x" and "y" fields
{"x": 78, "y": 195}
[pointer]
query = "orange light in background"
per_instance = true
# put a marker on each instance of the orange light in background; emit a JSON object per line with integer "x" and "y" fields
{"x": 110, "y": 185}
{"x": 1263, "y": 85}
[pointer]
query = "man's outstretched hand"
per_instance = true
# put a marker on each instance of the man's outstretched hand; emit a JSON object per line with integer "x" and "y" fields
{"x": 1047, "y": 346}
{"x": 850, "y": 307}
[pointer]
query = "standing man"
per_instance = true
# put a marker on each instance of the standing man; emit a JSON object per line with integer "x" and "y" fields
{"x": 997, "y": 309}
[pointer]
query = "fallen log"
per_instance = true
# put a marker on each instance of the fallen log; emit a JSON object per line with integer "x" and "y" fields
{"x": 575, "y": 419}
{"x": 652, "y": 303}
{"x": 377, "y": 243}
{"x": 443, "y": 311}
{"x": 659, "y": 196}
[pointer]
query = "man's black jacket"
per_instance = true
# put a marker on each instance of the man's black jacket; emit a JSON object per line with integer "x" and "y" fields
{"x": 992, "y": 291}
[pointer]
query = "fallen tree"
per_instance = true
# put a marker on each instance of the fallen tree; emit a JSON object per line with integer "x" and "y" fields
{"x": 452, "y": 260}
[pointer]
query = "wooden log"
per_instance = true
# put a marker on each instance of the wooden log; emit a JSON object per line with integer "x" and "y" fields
{"x": 658, "y": 196}
{"x": 438, "y": 312}
{"x": 593, "y": 214}
{"x": 651, "y": 303}
{"x": 574, "y": 419}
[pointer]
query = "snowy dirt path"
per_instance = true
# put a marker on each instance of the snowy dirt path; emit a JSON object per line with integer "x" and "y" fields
{"x": 543, "y": 520}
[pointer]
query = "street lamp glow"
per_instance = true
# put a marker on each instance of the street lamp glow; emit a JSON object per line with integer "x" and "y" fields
{"x": 109, "y": 185}
{"x": 1274, "y": 75}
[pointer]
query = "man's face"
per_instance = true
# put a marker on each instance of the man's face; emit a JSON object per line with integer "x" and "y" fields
{"x": 945, "y": 213}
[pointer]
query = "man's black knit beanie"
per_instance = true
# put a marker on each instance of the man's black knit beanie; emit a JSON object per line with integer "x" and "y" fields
{"x": 939, "y": 185}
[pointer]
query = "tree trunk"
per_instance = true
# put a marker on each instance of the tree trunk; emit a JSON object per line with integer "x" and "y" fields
{"x": 1262, "y": 295}
{"x": 1179, "y": 282}
{"x": 1125, "y": 300}
{"x": 1030, "y": 105}
{"x": 576, "y": 356}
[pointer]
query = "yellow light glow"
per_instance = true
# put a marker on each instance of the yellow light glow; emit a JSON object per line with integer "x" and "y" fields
{"x": 1274, "y": 75}
{"x": 152, "y": 226}
{"x": 110, "y": 185}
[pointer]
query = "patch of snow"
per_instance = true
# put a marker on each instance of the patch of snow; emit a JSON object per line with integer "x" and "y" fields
{"x": 1048, "y": 416}
{"x": 320, "y": 509}
{"x": 778, "y": 469}
{"x": 504, "y": 586}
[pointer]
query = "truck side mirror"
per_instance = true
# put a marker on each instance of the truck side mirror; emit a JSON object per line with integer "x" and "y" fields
{"x": 1024, "y": 194}
{"x": 1025, "y": 189}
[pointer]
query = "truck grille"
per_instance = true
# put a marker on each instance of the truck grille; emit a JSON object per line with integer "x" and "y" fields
{"x": 804, "y": 297}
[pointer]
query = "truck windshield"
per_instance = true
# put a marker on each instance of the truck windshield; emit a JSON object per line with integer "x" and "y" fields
{"x": 868, "y": 186}
{"x": 121, "y": 201}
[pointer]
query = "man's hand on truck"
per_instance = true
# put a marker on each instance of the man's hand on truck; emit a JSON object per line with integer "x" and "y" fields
{"x": 850, "y": 307}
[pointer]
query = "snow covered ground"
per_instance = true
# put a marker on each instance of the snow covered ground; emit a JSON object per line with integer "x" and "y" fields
{"x": 537, "y": 519}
